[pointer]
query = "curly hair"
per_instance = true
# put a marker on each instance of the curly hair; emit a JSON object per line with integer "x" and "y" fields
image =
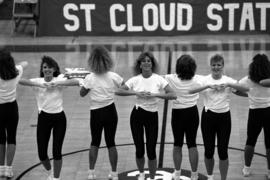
{"x": 185, "y": 67}
{"x": 51, "y": 63}
{"x": 259, "y": 68}
{"x": 137, "y": 69}
{"x": 217, "y": 58}
{"x": 100, "y": 60}
{"x": 7, "y": 66}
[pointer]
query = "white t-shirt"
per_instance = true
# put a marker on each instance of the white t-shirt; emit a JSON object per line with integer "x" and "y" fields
{"x": 259, "y": 96}
{"x": 217, "y": 100}
{"x": 49, "y": 100}
{"x": 102, "y": 88}
{"x": 153, "y": 84}
{"x": 181, "y": 88}
{"x": 8, "y": 87}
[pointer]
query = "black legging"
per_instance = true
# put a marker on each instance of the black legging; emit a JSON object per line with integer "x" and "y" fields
{"x": 185, "y": 122}
{"x": 141, "y": 119}
{"x": 212, "y": 125}
{"x": 9, "y": 117}
{"x": 56, "y": 123}
{"x": 258, "y": 119}
{"x": 104, "y": 118}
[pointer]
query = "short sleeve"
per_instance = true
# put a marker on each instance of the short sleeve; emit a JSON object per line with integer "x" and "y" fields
{"x": 35, "y": 80}
{"x": 130, "y": 83}
{"x": 61, "y": 77}
{"x": 199, "y": 80}
{"x": 168, "y": 77}
{"x": 163, "y": 82}
{"x": 87, "y": 82}
{"x": 20, "y": 70}
{"x": 243, "y": 81}
{"x": 231, "y": 80}
{"x": 117, "y": 79}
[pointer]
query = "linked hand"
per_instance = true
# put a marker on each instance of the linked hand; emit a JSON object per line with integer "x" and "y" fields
{"x": 218, "y": 87}
{"x": 144, "y": 94}
{"x": 50, "y": 84}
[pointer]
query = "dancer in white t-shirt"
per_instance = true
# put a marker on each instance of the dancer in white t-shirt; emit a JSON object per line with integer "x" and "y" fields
{"x": 185, "y": 116}
{"x": 10, "y": 74}
{"x": 148, "y": 87}
{"x": 216, "y": 118}
{"x": 259, "y": 108}
{"x": 101, "y": 85}
{"x": 48, "y": 89}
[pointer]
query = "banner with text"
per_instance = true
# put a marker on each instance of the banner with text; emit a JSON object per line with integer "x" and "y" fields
{"x": 152, "y": 17}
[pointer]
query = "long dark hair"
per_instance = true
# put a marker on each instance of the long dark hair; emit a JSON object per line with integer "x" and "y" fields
{"x": 185, "y": 67}
{"x": 51, "y": 63}
{"x": 7, "y": 66}
{"x": 137, "y": 69}
{"x": 259, "y": 68}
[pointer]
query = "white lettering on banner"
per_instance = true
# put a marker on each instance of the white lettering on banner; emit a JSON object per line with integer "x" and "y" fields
{"x": 231, "y": 8}
{"x": 170, "y": 17}
{"x": 130, "y": 25}
{"x": 246, "y": 18}
{"x": 73, "y": 18}
{"x": 114, "y": 26}
{"x": 180, "y": 8}
{"x": 146, "y": 18}
{"x": 87, "y": 8}
{"x": 76, "y": 22}
{"x": 163, "y": 25}
{"x": 155, "y": 14}
{"x": 215, "y": 17}
{"x": 263, "y": 7}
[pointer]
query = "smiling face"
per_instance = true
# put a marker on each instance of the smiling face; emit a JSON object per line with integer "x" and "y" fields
{"x": 146, "y": 64}
{"x": 217, "y": 68}
{"x": 47, "y": 71}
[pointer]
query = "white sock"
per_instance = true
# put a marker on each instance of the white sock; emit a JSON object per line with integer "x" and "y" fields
{"x": 177, "y": 171}
{"x": 49, "y": 172}
{"x": 114, "y": 173}
{"x": 246, "y": 167}
{"x": 194, "y": 173}
{"x": 210, "y": 176}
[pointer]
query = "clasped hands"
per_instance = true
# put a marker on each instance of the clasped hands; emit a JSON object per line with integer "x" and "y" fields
{"x": 47, "y": 85}
{"x": 145, "y": 94}
{"x": 219, "y": 87}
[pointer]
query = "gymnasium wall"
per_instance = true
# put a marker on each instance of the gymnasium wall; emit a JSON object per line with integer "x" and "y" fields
{"x": 153, "y": 17}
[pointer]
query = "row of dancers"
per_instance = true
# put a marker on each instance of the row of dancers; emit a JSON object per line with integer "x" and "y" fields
{"x": 101, "y": 85}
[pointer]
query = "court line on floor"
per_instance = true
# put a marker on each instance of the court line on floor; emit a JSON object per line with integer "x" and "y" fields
{"x": 119, "y": 145}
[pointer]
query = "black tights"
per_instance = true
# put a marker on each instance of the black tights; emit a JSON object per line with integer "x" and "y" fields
{"x": 141, "y": 120}
{"x": 46, "y": 123}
